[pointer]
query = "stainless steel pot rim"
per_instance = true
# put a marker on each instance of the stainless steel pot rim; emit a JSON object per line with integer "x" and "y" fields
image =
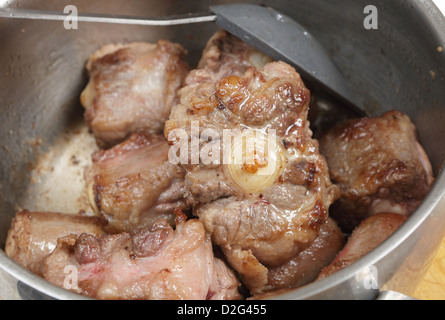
{"x": 436, "y": 21}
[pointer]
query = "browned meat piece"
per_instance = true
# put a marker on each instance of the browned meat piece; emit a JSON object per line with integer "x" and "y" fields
{"x": 378, "y": 165}
{"x": 268, "y": 207}
{"x": 133, "y": 184}
{"x": 305, "y": 267}
{"x": 153, "y": 263}
{"x": 131, "y": 88}
{"x": 33, "y": 235}
{"x": 225, "y": 55}
{"x": 365, "y": 238}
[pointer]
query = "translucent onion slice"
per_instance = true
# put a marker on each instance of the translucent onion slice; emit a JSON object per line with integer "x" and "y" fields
{"x": 253, "y": 160}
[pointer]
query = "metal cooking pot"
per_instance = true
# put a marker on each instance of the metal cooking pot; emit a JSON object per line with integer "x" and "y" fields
{"x": 400, "y": 65}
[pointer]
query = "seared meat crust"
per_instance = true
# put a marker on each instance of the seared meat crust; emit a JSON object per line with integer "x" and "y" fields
{"x": 379, "y": 166}
{"x": 133, "y": 184}
{"x": 306, "y": 266}
{"x": 367, "y": 236}
{"x": 225, "y": 55}
{"x": 131, "y": 88}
